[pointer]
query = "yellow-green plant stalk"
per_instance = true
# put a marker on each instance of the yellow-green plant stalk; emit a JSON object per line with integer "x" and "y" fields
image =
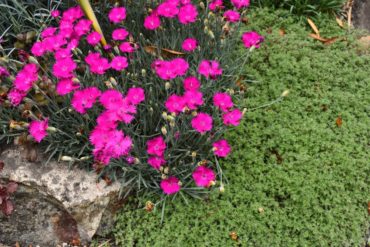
{"x": 86, "y": 6}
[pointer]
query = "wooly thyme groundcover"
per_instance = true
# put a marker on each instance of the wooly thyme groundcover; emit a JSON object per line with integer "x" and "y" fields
{"x": 146, "y": 102}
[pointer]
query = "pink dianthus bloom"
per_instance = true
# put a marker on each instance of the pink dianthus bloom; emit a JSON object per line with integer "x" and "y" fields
{"x": 38, "y": 129}
{"x": 170, "y": 185}
{"x": 156, "y": 161}
{"x": 175, "y": 104}
{"x": 4, "y": 72}
{"x": 94, "y": 38}
{"x": 193, "y": 99}
{"x": 232, "y": 16}
{"x": 117, "y": 14}
{"x": 65, "y": 86}
{"x": 47, "y": 32}
{"x": 119, "y": 63}
{"x": 191, "y": 83}
{"x": 216, "y": 4}
{"x": 187, "y": 14}
{"x": 180, "y": 66}
{"x": 233, "y": 117}
{"x": 82, "y": 27}
{"x": 38, "y": 49}
{"x": 120, "y": 34}
{"x": 240, "y": 3}
{"x": 72, "y": 14}
{"x": 210, "y": 69}
{"x": 203, "y": 176}
{"x": 152, "y": 22}
{"x": 26, "y": 77}
{"x": 189, "y": 44}
{"x": 55, "y": 13}
{"x": 111, "y": 99}
{"x": 202, "y": 122}
{"x": 84, "y": 99}
{"x": 167, "y": 9}
{"x": 223, "y": 101}
{"x": 135, "y": 95}
{"x": 252, "y": 39}
{"x": 127, "y": 47}
{"x": 16, "y": 96}
{"x": 64, "y": 68}
{"x": 98, "y": 64}
{"x": 221, "y": 148}
{"x": 156, "y": 146}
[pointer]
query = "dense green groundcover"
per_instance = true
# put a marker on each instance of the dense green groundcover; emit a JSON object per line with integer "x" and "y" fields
{"x": 295, "y": 177}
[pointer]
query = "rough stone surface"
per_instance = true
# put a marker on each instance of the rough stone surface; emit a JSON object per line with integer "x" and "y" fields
{"x": 54, "y": 204}
{"x": 361, "y": 14}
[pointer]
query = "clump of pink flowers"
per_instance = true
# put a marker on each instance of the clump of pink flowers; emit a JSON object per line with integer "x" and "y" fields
{"x": 151, "y": 99}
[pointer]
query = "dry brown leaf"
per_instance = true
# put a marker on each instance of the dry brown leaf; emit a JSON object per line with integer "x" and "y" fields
{"x": 368, "y": 207}
{"x": 282, "y": 32}
{"x": 233, "y": 235}
{"x": 326, "y": 41}
{"x": 339, "y": 121}
{"x": 313, "y": 26}
{"x": 153, "y": 50}
{"x": 178, "y": 53}
{"x": 340, "y": 22}
{"x": 315, "y": 36}
{"x": 330, "y": 41}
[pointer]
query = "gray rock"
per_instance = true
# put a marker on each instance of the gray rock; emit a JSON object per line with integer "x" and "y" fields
{"x": 361, "y": 14}
{"x": 54, "y": 204}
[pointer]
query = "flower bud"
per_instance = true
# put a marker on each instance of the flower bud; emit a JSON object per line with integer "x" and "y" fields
{"x": 222, "y": 188}
{"x": 166, "y": 170}
{"x": 51, "y": 129}
{"x": 172, "y": 124}
{"x": 164, "y": 115}
{"x": 33, "y": 60}
{"x": 285, "y": 93}
{"x": 164, "y": 130}
{"x": 194, "y": 154}
{"x": 167, "y": 85}
{"x": 143, "y": 72}
{"x": 84, "y": 158}
{"x": 113, "y": 81}
{"x": 66, "y": 158}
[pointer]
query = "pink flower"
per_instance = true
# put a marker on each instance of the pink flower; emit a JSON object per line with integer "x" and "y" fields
{"x": 109, "y": 144}
{"x": 170, "y": 185}
{"x": 16, "y": 96}
{"x": 233, "y": 117}
{"x": 156, "y": 146}
{"x": 4, "y": 72}
{"x": 156, "y": 162}
{"x": 191, "y": 83}
{"x": 38, "y": 49}
{"x": 193, "y": 99}
{"x": 203, "y": 176}
{"x": 98, "y": 64}
{"x": 180, "y": 66}
{"x": 82, "y": 27}
{"x": 84, "y": 99}
{"x": 94, "y": 38}
{"x": 232, "y": 16}
{"x": 252, "y": 39}
{"x": 152, "y": 22}
{"x": 167, "y": 9}
{"x": 55, "y": 13}
{"x": 221, "y": 148}
{"x": 223, "y": 101}
{"x": 216, "y": 4}
{"x": 135, "y": 95}
{"x": 72, "y": 14}
{"x": 210, "y": 68}
{"x": 26, "y": 77}
{"x": 127, "y": 47}
{"x": 117, "y": 14}
{"x": 202, "y": 123}
{"x": 65, "y": 86}
{"x": 111, "y": 99}
{"x": 188, "y": 14}
{"x": 240, "y": 3}
{"x": 47, "y": 32}
{"x": 119, "y": 63}
{"x": 62, "y": 53}
{"x": 64, "y": 68}
{"x": 164, "y": 69}
{"x": 38, "y": 129}
{"x": 189, "y": 44}
{"x": 175, "y": 104}
{"x": 120, "y": 34}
